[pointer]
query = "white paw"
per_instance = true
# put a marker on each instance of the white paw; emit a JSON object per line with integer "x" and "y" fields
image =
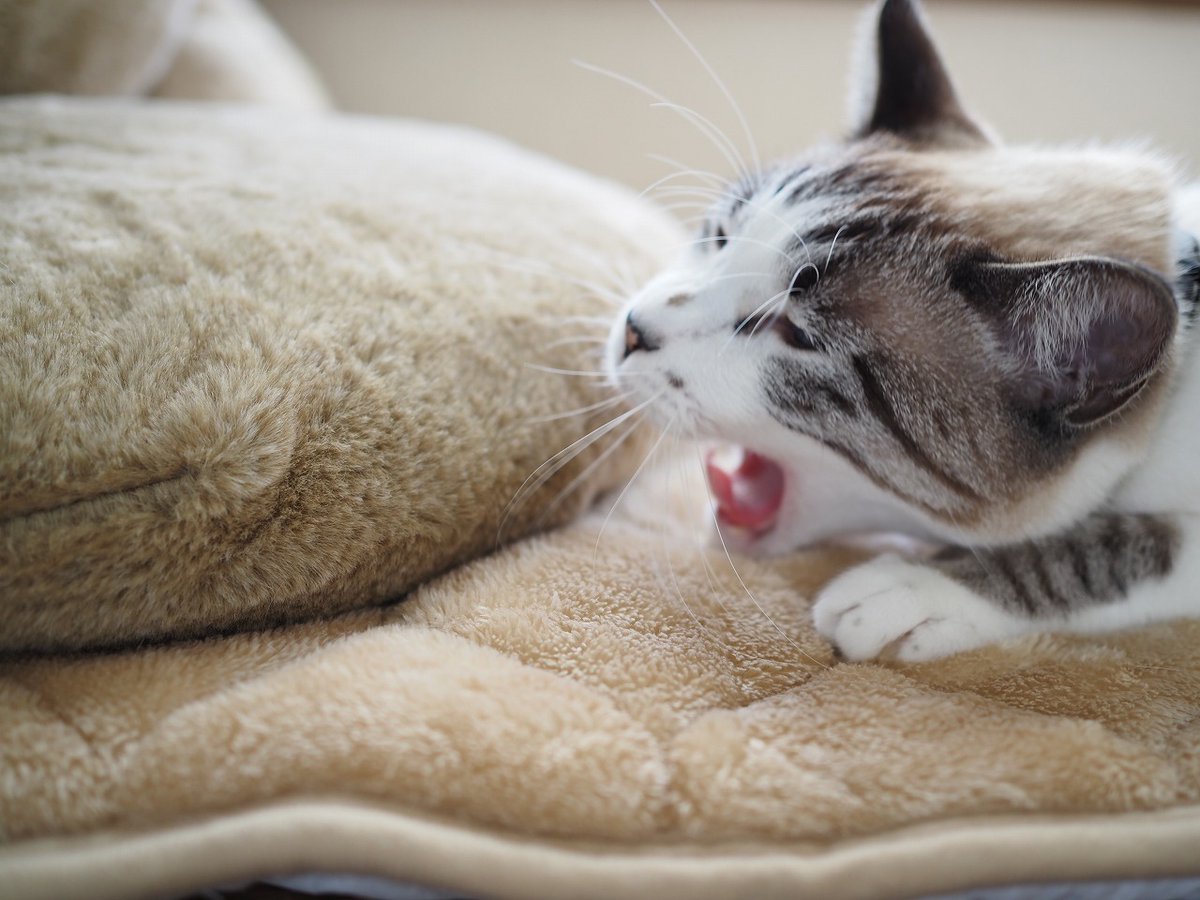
{"x": 907, "y": 610}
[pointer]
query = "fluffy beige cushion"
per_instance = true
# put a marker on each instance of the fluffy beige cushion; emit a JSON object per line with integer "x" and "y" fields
{"x": 256, "y": 367}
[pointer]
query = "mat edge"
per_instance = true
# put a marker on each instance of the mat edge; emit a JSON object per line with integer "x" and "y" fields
{"x": 329, "y": 835}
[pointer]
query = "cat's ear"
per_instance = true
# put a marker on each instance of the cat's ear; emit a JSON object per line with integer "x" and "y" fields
{"x": 902, "y": 86}
{"x": 1082, "y": 336}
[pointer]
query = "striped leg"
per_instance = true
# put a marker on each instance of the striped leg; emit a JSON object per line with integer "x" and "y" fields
{"x": 965, "y": 598}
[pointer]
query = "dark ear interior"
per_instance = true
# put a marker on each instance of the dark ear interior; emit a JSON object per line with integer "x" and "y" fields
{"x": 914, "y": 97}
{"x": 1083, "y": 336}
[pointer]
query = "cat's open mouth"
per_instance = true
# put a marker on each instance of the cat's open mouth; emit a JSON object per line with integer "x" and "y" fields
{"x": 748, "y": 488}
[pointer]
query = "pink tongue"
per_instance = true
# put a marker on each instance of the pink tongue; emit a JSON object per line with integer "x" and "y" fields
{"x": 748, "y": 496}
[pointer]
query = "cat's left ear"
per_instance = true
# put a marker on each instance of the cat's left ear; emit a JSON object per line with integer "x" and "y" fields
{"x": 1082, "y": 337}
{"x": 903, "y": 88}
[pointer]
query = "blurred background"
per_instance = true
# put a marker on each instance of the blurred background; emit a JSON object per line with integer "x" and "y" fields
{"x": 1041, "y": 72}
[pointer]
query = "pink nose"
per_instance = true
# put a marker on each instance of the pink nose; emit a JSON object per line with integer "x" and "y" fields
{"x": 635, "y": 338}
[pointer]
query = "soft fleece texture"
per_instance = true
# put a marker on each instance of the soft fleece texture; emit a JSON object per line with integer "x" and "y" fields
{"x": 601, "y": 711}
{"x": 256, "y": 367}
{"x": 578, "y": 715}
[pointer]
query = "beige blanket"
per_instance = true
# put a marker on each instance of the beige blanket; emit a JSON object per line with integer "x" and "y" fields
{"x": 586, "y": 717}
{"x": 258, "y": 367}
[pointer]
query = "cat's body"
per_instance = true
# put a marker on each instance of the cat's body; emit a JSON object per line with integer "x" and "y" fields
{"x": 920, "y": 330}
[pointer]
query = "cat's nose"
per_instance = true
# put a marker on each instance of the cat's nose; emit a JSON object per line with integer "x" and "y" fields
{"x": 635, "y": 338}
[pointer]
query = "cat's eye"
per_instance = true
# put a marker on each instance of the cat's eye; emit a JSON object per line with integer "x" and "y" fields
{"x": 793, "y": 335}
{"x": 806, "y": 277}
{"x": 720, "y": 238}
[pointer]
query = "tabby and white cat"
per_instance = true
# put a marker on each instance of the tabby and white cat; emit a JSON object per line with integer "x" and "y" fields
{"x": 922, "y": 330}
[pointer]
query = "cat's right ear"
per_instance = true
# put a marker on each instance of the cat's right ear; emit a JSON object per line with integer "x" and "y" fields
{"x": 901, "y": 86}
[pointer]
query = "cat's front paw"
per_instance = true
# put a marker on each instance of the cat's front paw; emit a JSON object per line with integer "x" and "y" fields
{"x": 906, "y": 610}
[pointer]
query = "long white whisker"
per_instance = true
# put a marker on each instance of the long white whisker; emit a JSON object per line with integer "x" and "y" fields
{"x": 681, "y": 167}
{"x": 771, "y": 316}
{"x": 603, "y": 267}
{"x": 720, "y": 141}
{"x": 715, "y": 195}
{"x": 668, "y": 178}
{"x": 737, "y": 110}
{"x": 578, "y": 339}
{"x": 690, "y": 190}
{"x": 692, "y": 214}
{"x": 592, "y": 466}
{"x": 697, "y": 538}
{"x": 709, "y": 130}
{"x": 749, "y": 593}
{"x": 602, "y": 292}
{"x": 632, "y": 479}
{"x": 584, "y": 320}
{"x": 832, "y": 244}
{"x": 551, "y": 466}
{"x": 675, "y": 578}
{"x": 579, "y": 373}
{"x": 750, "y": 318}
{"x": 583, "y": 410}
{"x": 746, "y": 240}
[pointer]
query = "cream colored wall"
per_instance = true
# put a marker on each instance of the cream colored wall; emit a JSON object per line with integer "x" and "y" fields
{"x": 1037, "y": 71}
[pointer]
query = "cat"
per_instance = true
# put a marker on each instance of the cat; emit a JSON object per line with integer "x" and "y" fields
{"x": 922, "y": 330}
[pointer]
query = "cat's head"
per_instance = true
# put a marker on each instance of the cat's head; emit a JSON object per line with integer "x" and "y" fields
{"x": 917, "y": 328}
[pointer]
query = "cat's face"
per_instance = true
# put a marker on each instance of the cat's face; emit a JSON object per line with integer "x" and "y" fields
{"x": 916, "y": 329}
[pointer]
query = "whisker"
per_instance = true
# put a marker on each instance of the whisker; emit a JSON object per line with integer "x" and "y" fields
{"x": 720, "y": 141}
{"x": 600, "y": 291}
{"x": 676, "y": 591}
{"x": 737, "y": 110}
{"x": 578, "y": 339}
{"x": 632, "y": 479}
{"x": 832, "y": 244}
{"x": 666, "y": 179}
{"x": 745, "y": 240}
{"x": 708, "y": 129}
{"x": 769, "y": 319}
{"x": 694, "y": 213}
{"x": 774, "y": 298}
{"x": 615, "y": 290}
{"x": 584, "y": 320}
{"x": 697, "y": 538}
{"x": 591, "y": 467}
{"x": 554, "y": 464}
{"x": 681, "y": 167}
{"x": 687, "y": 190}
{"x": 582, "y": 411}
{"x": 749, "y": 593}
{"x": 579, "y": 373}
{"x": 715, "y": 195}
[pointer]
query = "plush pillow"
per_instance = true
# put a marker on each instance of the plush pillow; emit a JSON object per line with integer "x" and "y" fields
{"x": 259, "y": 366}
{"x": 89, "y": 47}
{"x": 193, "y": 49}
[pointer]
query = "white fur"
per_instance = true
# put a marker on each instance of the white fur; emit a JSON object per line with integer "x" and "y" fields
{"x": 909, "y": 610}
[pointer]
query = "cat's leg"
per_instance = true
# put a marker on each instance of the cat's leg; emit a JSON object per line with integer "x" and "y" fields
{"x": 1111, "y": 570}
